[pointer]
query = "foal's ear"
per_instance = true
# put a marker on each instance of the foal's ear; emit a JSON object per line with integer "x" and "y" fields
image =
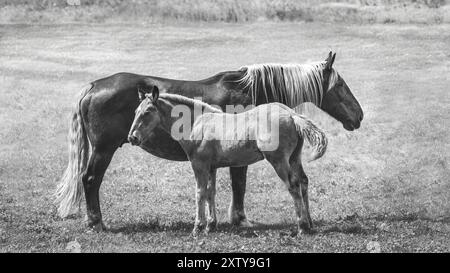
{"x": 141, "y": 93}
{"x": 155, "y": 94}
{"x": 152, "y": 95}
{"x": 330, "y": 60}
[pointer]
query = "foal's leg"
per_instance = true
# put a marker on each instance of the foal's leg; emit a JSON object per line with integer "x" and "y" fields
{"x": 299, "y": 186}
{"x": 92, "y": 179}
{"x": 290, "y": 177}
{"x": 211, "y": 193}
{"x": 236, "y": 210}
{"x": 304, "y": 189}
{"x": 202, "y": 176}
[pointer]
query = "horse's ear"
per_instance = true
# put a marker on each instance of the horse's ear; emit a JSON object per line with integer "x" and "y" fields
{"x": 329, "y": 56}
{"x": 155, "y": 93}
{"x": 330, "y": 60}
{"x": 141, "y": 93}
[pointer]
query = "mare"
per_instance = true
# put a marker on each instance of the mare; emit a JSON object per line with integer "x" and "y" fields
{"x": 106, "y": 108}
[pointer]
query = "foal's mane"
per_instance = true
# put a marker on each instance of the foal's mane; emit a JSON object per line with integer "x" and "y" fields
{"x": 291, "y": 84}
{"x": 178, "y": 99}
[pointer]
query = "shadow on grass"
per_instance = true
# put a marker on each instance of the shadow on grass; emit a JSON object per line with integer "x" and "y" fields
{"x": 320, "y": 227}
{"x": 180, "y": 226}
{"x": 247, "y": 232}
{"x": 410, "y": 217}
{"x": 353, "y": 224}
{"x": 151, "y": 226}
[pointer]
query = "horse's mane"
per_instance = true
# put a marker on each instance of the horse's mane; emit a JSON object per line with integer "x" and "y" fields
{"x": 178, "y": 99}
{"x": 291, "y": 84}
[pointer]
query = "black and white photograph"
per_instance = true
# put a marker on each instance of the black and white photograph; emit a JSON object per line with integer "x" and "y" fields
{"x": 241, "y": 127}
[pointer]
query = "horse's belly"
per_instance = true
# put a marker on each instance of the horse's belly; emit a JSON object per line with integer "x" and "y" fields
{"x": 235, "y": 153}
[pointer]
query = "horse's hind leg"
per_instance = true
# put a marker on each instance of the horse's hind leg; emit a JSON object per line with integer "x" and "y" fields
{"x": 211, "y": 199}
{"x": 92, "y": 179}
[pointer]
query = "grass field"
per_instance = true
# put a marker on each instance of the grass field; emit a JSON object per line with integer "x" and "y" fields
{"x": 355, "y": 11}
{"x": 387, "y": 182}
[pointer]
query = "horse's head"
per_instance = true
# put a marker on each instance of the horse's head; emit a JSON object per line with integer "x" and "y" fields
{"x": 146, "y": 117}
{"x": 339, "y": 101}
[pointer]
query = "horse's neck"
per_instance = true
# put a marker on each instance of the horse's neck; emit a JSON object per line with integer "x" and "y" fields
{"x": 167, "y": 123}
{"x": 165, "y": 109}
{"x": 264, "y": 96}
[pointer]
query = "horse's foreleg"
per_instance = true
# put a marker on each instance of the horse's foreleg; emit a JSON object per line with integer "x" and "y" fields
{"x": 211, "y": 193}
{"x": 238, "y": 183}
{"x": 92, "y": 179}
{"x": 202, "y": 177}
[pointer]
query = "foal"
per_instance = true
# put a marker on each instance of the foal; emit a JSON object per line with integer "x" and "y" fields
{"x": 209, "y": 147}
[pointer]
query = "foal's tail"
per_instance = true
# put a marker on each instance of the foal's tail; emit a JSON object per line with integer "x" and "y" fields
{"x": 312, "y": 133}
{"x": 69, "y": 191}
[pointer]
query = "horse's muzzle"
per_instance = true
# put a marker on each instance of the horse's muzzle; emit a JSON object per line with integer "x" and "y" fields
{"x": 352, "y": 125}
{"x": 133, "y": 139}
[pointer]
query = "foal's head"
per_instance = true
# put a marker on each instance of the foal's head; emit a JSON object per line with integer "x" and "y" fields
{"x": 339, "y": 101}
{"x": 147, "y": 117}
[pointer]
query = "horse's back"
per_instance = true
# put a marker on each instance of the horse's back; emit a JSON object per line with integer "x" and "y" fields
{"x": 242, "y": 139}
{"x": 247, "y": 121}
{"x": 223, "y": 140}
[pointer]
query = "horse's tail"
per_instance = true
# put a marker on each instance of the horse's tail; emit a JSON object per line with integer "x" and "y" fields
{"x": 315, "y": 136}
{"x": 69, "y": 190}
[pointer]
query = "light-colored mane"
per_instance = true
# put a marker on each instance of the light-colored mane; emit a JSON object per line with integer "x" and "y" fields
{"x": 291, "y": 84}
{"x": 178, "y": 99}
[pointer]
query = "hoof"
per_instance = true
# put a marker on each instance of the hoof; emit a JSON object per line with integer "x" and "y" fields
{"x": 237, "y": 217}
{"x": 304, "y": 228}
{"x": 302, "y": 232}
{"x": 211, "y": 227}
{"x": 241, "y": 222}
{"x": 197, "y": 230}
{"x": 245, "y": 224}
{"x": 99, "y": 227}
